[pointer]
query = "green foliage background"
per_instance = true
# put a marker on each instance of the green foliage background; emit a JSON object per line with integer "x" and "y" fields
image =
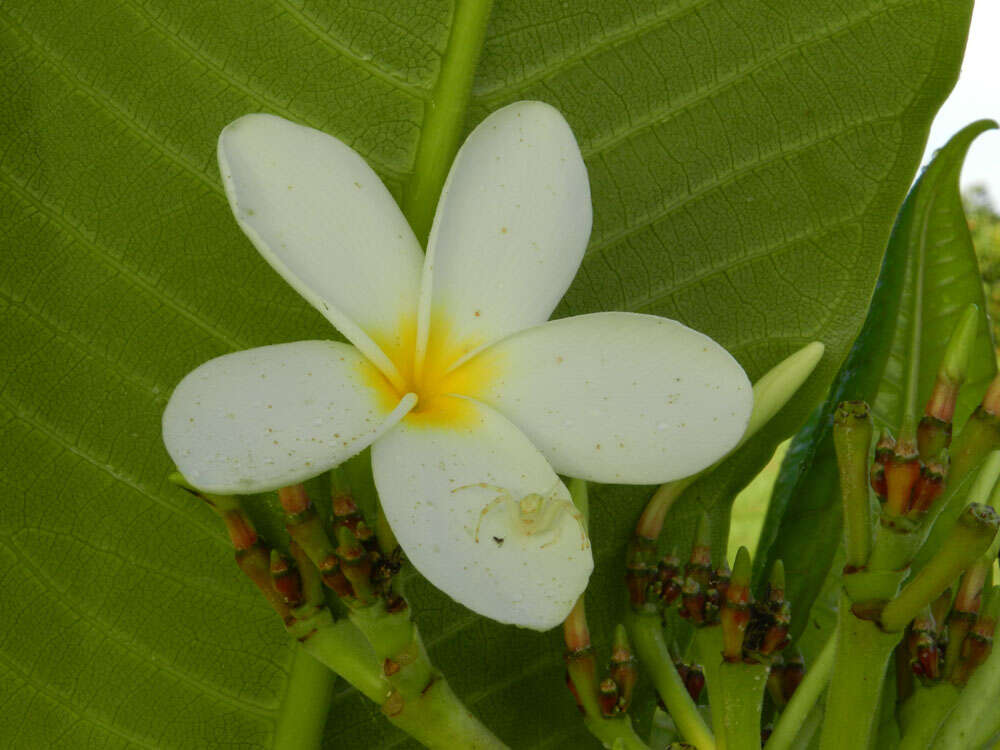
{"x": 747, "y": 160}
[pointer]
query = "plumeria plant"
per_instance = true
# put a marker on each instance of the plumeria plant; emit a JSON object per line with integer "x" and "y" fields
{"x": 519, "y": 298}
{"x": 473, "y": 405}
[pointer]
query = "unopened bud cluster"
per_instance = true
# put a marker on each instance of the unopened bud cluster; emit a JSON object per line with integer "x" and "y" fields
{"x": 614, "y": 692}
{"x": 706, "y": 595}
{"x": 950, "y": 639}
{"x": 345, "y": 551}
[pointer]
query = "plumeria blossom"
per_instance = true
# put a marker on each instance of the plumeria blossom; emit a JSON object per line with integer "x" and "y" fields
{"x": 470, "y": 399}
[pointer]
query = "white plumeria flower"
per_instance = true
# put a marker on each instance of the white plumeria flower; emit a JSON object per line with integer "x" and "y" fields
{"x": 471, "y": 400}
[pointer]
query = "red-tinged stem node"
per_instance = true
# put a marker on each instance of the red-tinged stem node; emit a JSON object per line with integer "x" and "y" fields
{"x": 640, "y": 567}
{"x": 933, "y": 476}
{"x": 933, "y": 437}
{"x": 884, "y": 450}
{"x": 623, "y": 668}
{"x": 293, "y": 499}
{"x": 735, "y": 615}
{"x": 286, "y": 579}
{"x": 991, "y": 399}
{"x": 776, "y": 682}
{"x": 241, "y": 531}
{"x": 794, "y": 672}
{"x": 954, "y": 366}
{"x": 356, "y": 566}
{"x": 901, "y": 474}
{"x": 255, "y": 562}
{"x": 694, "y": 681}
{"x": 666, "y": 586}
{"x": 923, "y": 647}
{"x": 607, "y": 697}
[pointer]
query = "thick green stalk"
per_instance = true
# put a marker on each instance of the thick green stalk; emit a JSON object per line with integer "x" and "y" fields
{"x": 924, "y": 713}
{"x": 804, "y": 699}
{"x": 433, "y": 715}
{"x": 438, "y": 720}
{"x": 646, "y": 634}
{"x": 708, "y": 650}
{"x": 342, "y": 648}
{"x": 862, "y": 655}
{"x": 735, "y": 692}
{"x": 305, "y": 704}
{"x": 615, "y": 734}
{"x": 741, "y": 690}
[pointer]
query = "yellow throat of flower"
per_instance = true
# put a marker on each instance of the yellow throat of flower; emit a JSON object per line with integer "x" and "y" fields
{"x": 438, "y": 380}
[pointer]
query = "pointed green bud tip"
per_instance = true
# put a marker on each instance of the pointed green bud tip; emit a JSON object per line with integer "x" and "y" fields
{"x": 777, "y": 386}
{"x": 955, "y": 362}
{"x": 742, "y": 568}
{"x": 620, "y": 642}
{"x": 777, "y": 579}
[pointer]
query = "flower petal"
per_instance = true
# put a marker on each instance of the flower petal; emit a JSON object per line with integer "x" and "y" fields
{"x": 263, "y": 418}
{"x": 620, "y": 397}
{"x": 323, "y": 219}
{"x": 453, "y": 496}
{"x": 510, "y": 231}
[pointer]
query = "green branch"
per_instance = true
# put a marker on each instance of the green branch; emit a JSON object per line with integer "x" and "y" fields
{"x": 444, "y": 119}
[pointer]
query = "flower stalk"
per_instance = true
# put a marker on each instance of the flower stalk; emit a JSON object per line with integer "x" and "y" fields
{"x": 417, "y": 699}
{"x": 604, "y": 703}
{"x": 852, "y": 433}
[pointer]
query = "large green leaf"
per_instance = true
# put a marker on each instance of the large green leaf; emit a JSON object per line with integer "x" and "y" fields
{"x": 804, "y": 521}
{"x": 746, "y": 161}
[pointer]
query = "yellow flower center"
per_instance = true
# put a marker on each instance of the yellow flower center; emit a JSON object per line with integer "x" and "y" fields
{"x": 438, "y": 379}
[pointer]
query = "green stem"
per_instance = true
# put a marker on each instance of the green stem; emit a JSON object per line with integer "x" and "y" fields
{"x": 924, "y": 713}
{"x": 735, "y": 692}
{"x": 862, "y": 655}
{"x": 438, "y": 720}
{"x": 302, "y": 716}
{"x": 615, "y": 734}
{"x": 444, "y": 117}
{"x": 433, "y": 715}
{"x": 804, "y": 699}
{"x": 646, "y": 634}
{"x": 852, "y": 433}
{"x": 967, "y": 541}
{"x": 742, "y": 692}
{"x": 342, "y": 648}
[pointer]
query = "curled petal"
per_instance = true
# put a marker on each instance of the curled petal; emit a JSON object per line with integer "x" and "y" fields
{"x": 483, "y": 517}
{"x": 263, "y": 418}
{"x": 620, "y": 397}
